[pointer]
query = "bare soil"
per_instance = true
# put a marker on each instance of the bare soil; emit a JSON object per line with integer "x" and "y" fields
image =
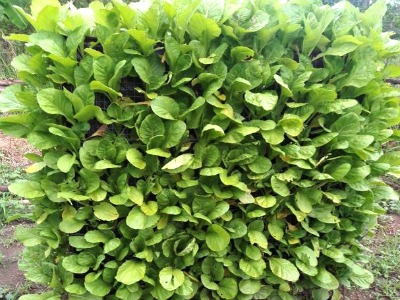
{"x": 12, "y": 151}
{"x": 11, "y": 278}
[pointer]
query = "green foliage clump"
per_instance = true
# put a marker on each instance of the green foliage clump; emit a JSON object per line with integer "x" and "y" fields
{"x": 244, "y": 164}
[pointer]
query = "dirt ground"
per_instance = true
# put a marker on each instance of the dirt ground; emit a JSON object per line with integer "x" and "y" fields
{"x": 10, "y": 276}
{"x": 12, "y": 151}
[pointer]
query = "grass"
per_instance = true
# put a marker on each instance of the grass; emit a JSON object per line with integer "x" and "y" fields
{"x": 384, "y": 261}
{"x": 8, "y": 50}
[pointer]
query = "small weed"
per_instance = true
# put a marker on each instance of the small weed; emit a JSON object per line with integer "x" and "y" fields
{"x": 9, "y": 174}
{"x": 384, "y": 263}
{"x": 8, "y": 294}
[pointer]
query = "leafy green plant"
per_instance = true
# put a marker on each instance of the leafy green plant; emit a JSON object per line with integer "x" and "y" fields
{"x": 244, "y": 164}
{"x": 7, "y": 10}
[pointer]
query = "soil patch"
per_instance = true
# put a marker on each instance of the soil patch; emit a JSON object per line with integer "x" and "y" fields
{"x": 10, "y": 250}
{"x": 12, "y": 151}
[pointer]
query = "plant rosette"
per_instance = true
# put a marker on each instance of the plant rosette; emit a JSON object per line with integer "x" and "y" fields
{"x": 247, "y": 167}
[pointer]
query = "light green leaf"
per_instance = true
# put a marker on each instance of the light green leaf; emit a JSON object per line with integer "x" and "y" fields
{"x": 131, "y": 272}
{"x": 279, "y": 187}
{"x": 284, "y": 269}
{"x": 105, "y": 211}
{"x": 203, "y": 28}
{"x": 217, "y": 238}
{"x": 105, "y": 164}
{"x": 171, "y": 279}
{"x": 275, "y": 230}
{"x": 135, "y": 157}
{"x": 259, "y": 238}
{"x": 97, "y": 287}
{"x": 291, "y": 124}
{"x": 70, "y": 225}
{"x": 66, "y": 162}
{"x": 260, "y": 165}
{"x": 150, "y": 127}
{"x": 165, "y": 107}
{"x": 55, "y": 102}
{"x": 137, "y": 219}
{"x": 227, "y": 288}
{"x": 50, "y": 42}
{"x": 266, "y": 201}
{"x": 179, "y": 163}
{"x": 325, "y": 280}
{"x": 266, "y": 101}
{"x": 360, "y": 276}
{"x": 249, "y": 286}
{"x": 149, "y": 208}
{"x": 174, "y": 132}
{"x": 274, "y": 136}
{"x": 99, "y": 86}
{"x": 27, "y": 189}
{"x": 306, "y": 255}
{"x": 253, "y": 268}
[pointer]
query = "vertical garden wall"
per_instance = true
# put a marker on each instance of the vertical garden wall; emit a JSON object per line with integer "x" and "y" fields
{"x": 202, "y": 149}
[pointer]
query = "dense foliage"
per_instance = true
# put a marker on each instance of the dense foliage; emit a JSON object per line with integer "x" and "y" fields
{"x": 391, "y": 20}
{"x": 244, "y": 164}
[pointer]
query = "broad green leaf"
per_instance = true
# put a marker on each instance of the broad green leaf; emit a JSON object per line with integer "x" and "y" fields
{"x": 150, "y": 71}
{"x": 28, "y": 236}
{"x": 284, "y": 269}
{"x": 165, "y": 107}
{"x": 149, "y": 208}
{"x": 360, "y": 276}
{"x": 249, "y": 286}
{"x": 97, "y": 287}
{"x": 105, "y": 164}
{"x": 96, "y": 85}
{"x": 66, "y": 162}
{"x": 253, "y": 268}
{"x": 266, "y": 201}
{"x": 307, "y": 255}
{"x": 334, "y": 253}
{"x": 179, "y": 163}
{"x": 71, "y": 264}
{"x": 279, "y": 187}
{"x": 217, "y": 238}
{"x": 291, "y": 124}
{"x": 131, "y": 272}
{"x": 27, "y": 189}
{"x": 51, "y": 42}
{"x": 274, "y": 136}
{"x": 105, "y": 211}
{"x": 71, "y": 225}
{"x": 237, "y": 228}
{"x": 325, "y": 280}
{"x": 54, "y": 102}
{"x": 135, "y": 157}
{"x": 275, "y": 230}
{"x": 227, "y": 288}
{"x": 259, "y": 238}
{"x": 343, "y": 45}
{"x": 137, "y": 219}
{"x": 150, "y": 127}
{"x": 266, "y": 101}
{"x": 203, "y": 28}
{"x": 260, "y": 165}
{"x": 241, "y": 53}
{"x": 174, "y": 132}
{"x": 171, "y": 279}
{"x": 306, "y": 268}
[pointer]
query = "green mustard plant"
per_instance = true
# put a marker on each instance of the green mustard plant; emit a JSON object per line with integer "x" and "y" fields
{"x": 203, "y": 149}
